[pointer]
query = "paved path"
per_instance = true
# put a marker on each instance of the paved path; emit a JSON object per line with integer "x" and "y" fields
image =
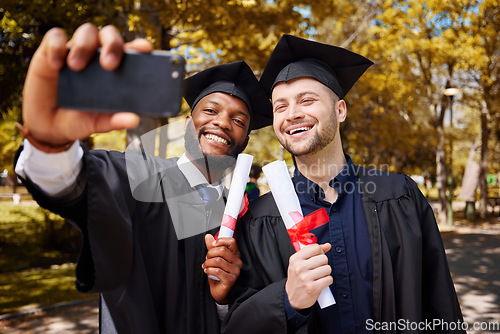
{"x": 474, "y": 259}
{"x": 82, "y": 318}
{"x": 473, "y": 255}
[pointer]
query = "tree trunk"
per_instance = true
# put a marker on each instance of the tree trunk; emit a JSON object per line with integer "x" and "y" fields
{"x": 483, "y": 185}
{"x": 441, "y": 177}
{"x": 163, "y": 142}
{"x": 470, "y": 181}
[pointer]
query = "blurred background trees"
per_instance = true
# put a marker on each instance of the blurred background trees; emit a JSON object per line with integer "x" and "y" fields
{"x": 399, "y": 118}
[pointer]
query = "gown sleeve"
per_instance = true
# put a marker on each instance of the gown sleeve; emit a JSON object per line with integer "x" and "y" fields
{"x": 103, "y": 212}
{"x": 439, "y": 299}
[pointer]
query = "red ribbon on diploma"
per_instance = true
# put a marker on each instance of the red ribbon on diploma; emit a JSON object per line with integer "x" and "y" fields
{"x": 300, "y": 232}
{"x": 230, "y": 222}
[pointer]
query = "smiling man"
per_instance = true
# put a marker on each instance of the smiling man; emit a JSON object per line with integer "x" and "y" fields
{"x": 144, "y": 220}
{"x": 380, "y": 253}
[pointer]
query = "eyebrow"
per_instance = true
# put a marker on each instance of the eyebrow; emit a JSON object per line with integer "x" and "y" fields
{"x": 298, "y": 96}
{"x": 243, "y": 113}
{"x": 213, "y": 102}
{"x": 247, "y": 115}
{"x": 306, "y": 93}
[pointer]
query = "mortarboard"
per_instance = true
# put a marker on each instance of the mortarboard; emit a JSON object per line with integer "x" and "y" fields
{"x": 294, "y": 57}
{"x": 236, "y": 79}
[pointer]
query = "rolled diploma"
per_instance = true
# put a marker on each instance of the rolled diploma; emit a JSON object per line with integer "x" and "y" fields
{"x": 236, "y": 192}
{"x": 235, "y": 203}
{"x": 286, "y": 199}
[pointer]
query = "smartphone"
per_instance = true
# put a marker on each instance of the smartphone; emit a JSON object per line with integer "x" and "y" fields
{"x": 144, "y": 83}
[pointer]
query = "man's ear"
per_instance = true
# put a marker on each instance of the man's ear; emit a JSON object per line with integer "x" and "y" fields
{"x": 186, "y": 121}
{"x": 341, "y": 111}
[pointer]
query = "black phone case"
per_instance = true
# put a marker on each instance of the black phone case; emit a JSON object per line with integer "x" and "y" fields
{"x": 144, "y": 83}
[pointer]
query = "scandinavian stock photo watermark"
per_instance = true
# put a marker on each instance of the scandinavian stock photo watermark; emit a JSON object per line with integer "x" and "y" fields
{"x": 348, "y": 177}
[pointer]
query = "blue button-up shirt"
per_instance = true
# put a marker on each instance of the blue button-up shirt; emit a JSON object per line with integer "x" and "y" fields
{"x": 349, "y": 257}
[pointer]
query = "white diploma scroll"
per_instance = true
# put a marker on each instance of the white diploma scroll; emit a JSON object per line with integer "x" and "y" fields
{"x": 286, "y": 199}
{"x": 235, "y": 202}
{"x": 235, "y": 199}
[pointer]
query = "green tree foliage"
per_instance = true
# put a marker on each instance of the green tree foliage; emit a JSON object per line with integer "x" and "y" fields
{"x": 265, "y": 148}
{"x": 480, "y": 49}
{"x": 23, "y": 24}
{"x": 412, "y": 67}
{"x": 395, "y": 110}
{"x": 419, "y": 48}
{"x": 435, "y": 45}
{"x": 219, "y": 30}
{"x": 205, "y": 33}
{"x": 9, "y": 140}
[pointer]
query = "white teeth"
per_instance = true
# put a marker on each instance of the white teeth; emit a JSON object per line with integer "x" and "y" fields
{"x": 216, "y": 138}
{"x": 304, "y": 128}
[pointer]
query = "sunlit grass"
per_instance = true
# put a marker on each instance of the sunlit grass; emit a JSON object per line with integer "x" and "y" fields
{"x": 34, "y": 272}
{"x": 33, "y": 288}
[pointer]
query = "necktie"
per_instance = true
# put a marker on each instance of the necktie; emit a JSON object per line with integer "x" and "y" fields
{"x": 208, "y": 195}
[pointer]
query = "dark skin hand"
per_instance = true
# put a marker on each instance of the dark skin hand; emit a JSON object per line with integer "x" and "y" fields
{"x": 222, "y": 261}
{"x": 43, "y": 118}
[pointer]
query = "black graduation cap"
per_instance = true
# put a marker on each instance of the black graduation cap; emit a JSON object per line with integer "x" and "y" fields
{"x": 235, "y": 79}
{"x": 295, "y": 57}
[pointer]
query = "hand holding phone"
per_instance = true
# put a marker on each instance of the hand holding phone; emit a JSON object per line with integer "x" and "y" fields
{"x": 143, "y": 83}
{"x": 45, "y": 120}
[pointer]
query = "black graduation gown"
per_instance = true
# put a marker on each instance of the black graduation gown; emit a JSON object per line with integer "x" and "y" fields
{"x": 411, "y": 279}
{"x": 150, "y": 281}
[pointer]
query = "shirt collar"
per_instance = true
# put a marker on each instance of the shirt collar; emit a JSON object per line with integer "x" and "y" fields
{"x": 195, "y": 177}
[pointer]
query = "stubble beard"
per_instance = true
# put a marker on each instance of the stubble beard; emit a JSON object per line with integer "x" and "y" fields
{"x": 316, "y": 143}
